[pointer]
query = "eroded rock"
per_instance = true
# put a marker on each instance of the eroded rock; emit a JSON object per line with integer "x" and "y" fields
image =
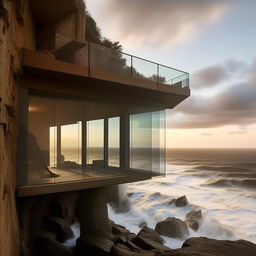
{"x": 151, "y": 234}
{"x": 148, "y": 244}
{"x": 194, "y": 219}
{"x": 220, "y": 247}
{"x": 93, "y": 245}
{"x": 59, "y": 226}
{"x": 172, "y": 227}
{"x": 43, "y": 246}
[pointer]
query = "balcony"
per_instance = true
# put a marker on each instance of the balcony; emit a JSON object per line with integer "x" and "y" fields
{"x": 107, "y": 70}
{"x": 91, "y": 116}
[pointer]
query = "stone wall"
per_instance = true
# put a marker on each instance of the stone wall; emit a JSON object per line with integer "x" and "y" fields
{"x": 16, "y": 31}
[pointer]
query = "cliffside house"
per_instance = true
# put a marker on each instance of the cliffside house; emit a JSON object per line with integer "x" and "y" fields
{"x": 90, "y": 116}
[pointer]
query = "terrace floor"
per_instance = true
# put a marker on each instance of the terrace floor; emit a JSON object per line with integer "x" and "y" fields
{"x": 77, "y": 179}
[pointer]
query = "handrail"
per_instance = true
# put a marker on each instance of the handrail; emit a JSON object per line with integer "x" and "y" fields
{"x": 159, "y": 75}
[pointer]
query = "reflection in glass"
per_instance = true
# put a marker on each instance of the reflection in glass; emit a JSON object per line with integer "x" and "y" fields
{"x": 141, "y": 141}
{"x": 144, "y": 69}
{"x": 147, "y": 142}
{"x": 71, "y": 142}
{"x": 53, "y": 146}
{"x": 114, "y": 141}
{"x": 40, "y": 119}
{"x": 95, "y": 142}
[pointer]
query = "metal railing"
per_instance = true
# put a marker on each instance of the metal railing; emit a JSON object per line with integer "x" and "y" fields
{"x": 102, "y": 58}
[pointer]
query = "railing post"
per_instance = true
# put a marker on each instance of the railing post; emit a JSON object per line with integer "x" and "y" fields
{"x": 158, "y": 79}
{"x": 131, "y": 66}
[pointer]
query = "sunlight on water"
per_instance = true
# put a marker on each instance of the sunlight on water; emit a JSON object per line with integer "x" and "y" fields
{"x": 219, "y": 182}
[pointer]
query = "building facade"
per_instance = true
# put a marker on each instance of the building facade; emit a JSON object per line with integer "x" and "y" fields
{"x": 74, "y": 115}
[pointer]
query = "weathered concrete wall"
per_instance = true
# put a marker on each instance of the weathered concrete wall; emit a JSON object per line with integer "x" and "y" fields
{"x": 16, "y": 31}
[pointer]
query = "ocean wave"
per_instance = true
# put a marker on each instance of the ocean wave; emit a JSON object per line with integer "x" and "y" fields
{"x": 223, "y": 168}
{"x": 249, "y": 183}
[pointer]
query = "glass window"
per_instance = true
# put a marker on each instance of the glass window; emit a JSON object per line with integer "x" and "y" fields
{"x": 95, "y": 142}
{"x": 114, "y": 141}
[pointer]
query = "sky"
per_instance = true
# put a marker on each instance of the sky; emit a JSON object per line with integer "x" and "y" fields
{"x": 215, "y": 41}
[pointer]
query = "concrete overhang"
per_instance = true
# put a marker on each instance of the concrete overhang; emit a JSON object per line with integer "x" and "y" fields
{"x": 48, "y": 11}
{"x": 43, "y": 72}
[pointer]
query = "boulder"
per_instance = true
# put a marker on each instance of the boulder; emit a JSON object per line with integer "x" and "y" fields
{"x": 194, "y": 219}
{"x": 43, "y": 246}
{"x": 143, "y": 224}
{"x": 147, "y": 244}
{"x": 58, "y": 226}
{"x": 184, "y": 252}
{"x": 151, "y": 234}
{"x": 63, "y": 205}
{"x": 121, "y": 250}
{"x": 220, "y": 247}
{"x": 181, "y": 201}
{"x": 93, "y": 245}
{"x": 122, "y": 233}
{"x": 172, "y": 227}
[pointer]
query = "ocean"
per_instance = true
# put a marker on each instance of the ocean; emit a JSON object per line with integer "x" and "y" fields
{"x": 220, "y": 182}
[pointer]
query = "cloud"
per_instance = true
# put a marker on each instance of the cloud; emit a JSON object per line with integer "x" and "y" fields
{"x": 234, "y": 106}
{"x": 151, "y": 23}
{"x": 212, "y": 76}
{"x": 206, "y": 134}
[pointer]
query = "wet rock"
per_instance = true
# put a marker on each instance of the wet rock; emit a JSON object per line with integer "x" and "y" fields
{"x": 58, "y": 226}
{"x": 151, "y": 234}
{"x": 132, "y": 246}
{"x": 194, "y": 219}
{"x": 43, "y": 246}
{"x": 181, "y": 201}
{"x": 122, "y": 233}
{"x": 184, "y": 252}
{"x": 64, "y": 205}
{"x": 155, "y": 195}
{"x": 121, "y": 250}
{"x": 220, "y": 247}
{"x": 143, "y": 224}
{"x": 93, "y": 245}
{"x": 148, "y": 244}
{"x": 172, "y": 227}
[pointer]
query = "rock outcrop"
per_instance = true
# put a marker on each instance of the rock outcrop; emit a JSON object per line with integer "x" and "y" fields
{"x": 194, "y": 219}
{"x": 172, "y": 227}
{"x": 180, "y": 201}
{"x": 151, "y": 234}
{"x": 220, "y": 247}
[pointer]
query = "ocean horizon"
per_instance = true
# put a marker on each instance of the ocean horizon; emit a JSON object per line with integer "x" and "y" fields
{"x": 220, "y": 182}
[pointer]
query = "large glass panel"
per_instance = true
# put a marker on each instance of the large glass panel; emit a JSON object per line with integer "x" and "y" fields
{"x": 144, "y": 69}
{"x": 68, "y": 116}
{"x": 147, "y": 142}
{"x": 158, "y": 142}
{"x": 141, "y": 141}
{"x": 114, "y": 141}
{"x": 170, "y": 76}
{"x": 40, "y": 139}
{"x": 106, "y": 59}
{"x": 95, "y": 142}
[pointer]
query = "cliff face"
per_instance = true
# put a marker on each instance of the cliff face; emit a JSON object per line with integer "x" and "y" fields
{"x": 15, "y": 26}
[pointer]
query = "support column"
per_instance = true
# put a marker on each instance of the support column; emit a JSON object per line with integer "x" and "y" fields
{"x": 125, "y": 141}
{"x": 106, "y": 142}
{"x": 93, "y": 213}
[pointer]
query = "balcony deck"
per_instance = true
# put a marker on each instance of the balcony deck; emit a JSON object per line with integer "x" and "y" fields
{"x": 139, "y": 80}
{"x": 71, "y": 180}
